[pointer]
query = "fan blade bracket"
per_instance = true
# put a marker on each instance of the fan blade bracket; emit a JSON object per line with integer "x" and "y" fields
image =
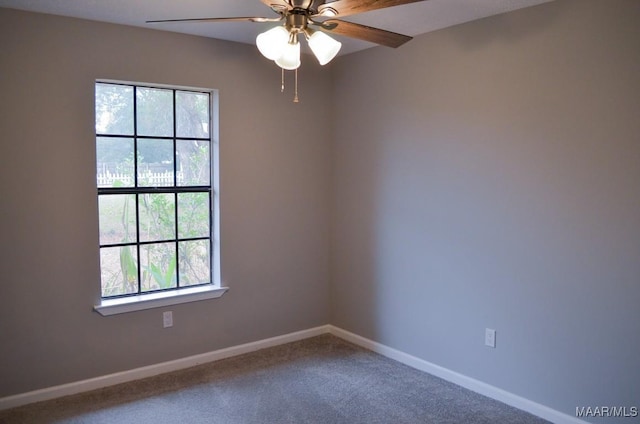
{"x": 325, "y": 12}
{"x": 325, "y": 25}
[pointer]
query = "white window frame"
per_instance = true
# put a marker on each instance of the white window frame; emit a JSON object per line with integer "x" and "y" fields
{"x": 143, "y": 301}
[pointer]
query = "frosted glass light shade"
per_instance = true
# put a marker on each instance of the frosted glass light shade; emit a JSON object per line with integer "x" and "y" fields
{"x": 290, "y": 58}
{"x": 272, "y": 43}
{"x": 324, "y": 47}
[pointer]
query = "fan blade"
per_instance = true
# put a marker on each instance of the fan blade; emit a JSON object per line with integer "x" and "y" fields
{"x": 239, "y": 19}
{"x": 363, "y": 32}
{"x": 351, "y": 7}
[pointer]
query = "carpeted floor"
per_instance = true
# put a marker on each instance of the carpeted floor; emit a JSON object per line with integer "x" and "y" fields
{"x": 319, "y": 380}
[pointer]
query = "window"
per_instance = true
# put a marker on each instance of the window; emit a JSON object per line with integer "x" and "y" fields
{"x": 155, "y": 181}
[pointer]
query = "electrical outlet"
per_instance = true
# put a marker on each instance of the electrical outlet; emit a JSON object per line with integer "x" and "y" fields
{"x": 490, "y": 337}
{"x": 167, "y": 319}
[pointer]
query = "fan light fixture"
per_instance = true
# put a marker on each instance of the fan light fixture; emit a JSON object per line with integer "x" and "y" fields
{"x": 271, "y": 43}
{"x": 323, "y": 47}
{"x": 281, "y": 43}
{"x": 290, "y": 55}
{"x": 282, "y": 46}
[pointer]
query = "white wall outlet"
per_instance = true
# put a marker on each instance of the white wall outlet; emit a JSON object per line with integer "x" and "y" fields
{"x": 490, "y": 337}
{"x": 167, "y": 319}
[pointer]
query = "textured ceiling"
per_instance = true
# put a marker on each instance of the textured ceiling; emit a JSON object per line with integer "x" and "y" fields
{"x": 412, "y": 19}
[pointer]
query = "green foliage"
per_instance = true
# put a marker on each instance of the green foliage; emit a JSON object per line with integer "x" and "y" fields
{"x": 129, "y": 269}
{"x": 168, "y": 278}
{"x": 194, "y": 214}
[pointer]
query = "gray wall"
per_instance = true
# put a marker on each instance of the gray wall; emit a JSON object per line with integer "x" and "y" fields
{"x": 274, "y": 191}
{"x": 481, "y": 176}
{"x": 488, "y": 175}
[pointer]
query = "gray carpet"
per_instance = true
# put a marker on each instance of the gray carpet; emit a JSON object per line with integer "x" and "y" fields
{"x": 319, "y": 380}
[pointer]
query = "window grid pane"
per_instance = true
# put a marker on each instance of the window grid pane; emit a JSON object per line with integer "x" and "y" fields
{"x": 154, "y": 213}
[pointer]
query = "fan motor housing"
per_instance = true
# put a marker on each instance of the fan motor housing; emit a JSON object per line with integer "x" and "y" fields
{"x": 297, "y": 20}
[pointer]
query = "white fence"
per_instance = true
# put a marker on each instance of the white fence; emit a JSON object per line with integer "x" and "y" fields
{"x": 145, "y": 178}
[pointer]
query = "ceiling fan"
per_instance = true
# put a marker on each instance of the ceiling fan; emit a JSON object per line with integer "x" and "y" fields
{"x": 313, "y": 19}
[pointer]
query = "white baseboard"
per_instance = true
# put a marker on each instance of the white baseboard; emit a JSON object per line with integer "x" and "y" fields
{"x": 152, "y": 370}
{"x": 477, "y": 386}
{"x": 178, "y": 364}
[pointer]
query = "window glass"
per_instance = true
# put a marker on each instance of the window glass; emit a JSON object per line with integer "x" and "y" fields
{"x": 153, "y": 175}
{"x": 154, "y": 112}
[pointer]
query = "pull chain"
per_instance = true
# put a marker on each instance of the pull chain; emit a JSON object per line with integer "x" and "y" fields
{"x": 295, "y": 97}
{"x": 282, "y": 81}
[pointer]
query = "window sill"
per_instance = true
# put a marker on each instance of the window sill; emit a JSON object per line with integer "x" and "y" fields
{"x": 158, "y": 300}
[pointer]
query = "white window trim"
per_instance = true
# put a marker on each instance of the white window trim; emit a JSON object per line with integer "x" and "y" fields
{"x": 141, "y": 302}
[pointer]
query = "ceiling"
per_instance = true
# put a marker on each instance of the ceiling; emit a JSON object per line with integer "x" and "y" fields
{"x": 411, "y": 19}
